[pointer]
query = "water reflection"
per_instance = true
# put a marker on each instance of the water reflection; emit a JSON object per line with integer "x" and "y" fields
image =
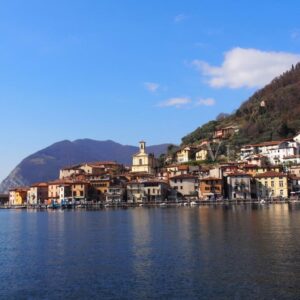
{"x": 221, "y": 252}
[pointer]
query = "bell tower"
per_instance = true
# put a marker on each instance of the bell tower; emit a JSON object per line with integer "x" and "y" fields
{"x": 142, "y": 147}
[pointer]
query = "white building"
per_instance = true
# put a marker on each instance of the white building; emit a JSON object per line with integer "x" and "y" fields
{"x": 143, "y": 162}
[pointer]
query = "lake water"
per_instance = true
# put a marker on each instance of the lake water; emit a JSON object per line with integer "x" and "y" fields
{"x": 235, "y": 252}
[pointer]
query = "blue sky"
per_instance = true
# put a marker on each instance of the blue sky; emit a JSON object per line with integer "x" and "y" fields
{"x": 128, "y": 70}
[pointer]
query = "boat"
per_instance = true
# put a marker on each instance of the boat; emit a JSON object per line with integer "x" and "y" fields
{"x": 262, "y": 201}
{"x": 163, "y": 204}
{"x": 194, "y": 203}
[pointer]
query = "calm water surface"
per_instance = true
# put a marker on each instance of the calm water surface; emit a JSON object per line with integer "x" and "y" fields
{"x": 238, "y": 252}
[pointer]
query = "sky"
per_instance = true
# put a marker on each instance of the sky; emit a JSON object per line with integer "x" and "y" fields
{"x": 127, "y": 70}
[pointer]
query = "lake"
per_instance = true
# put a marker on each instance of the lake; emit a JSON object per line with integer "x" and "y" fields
{"x": 208, "y": 252}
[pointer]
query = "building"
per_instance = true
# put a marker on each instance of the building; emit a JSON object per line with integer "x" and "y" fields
{"x": 295, "y": 170}
{"x": 18, "y": 196}
{"x": 135, "y": 192}
{"x": 38, "y": 194}
{"x": 291, "y": 160}
{"x": 185, "y": 154}
{"x": 201, "y": 154}
{"x": 80, "y": 190}
{"x": 116, "y": 194}
{"x": 272, "y": 185}
{"x": 238, "y": 186}
{"x": 275, "y": 151}
{"x": 186, "y": 184}
{"x": 225, "y": 132}
{"x": 143, "y": 162}
{"x": 211, "y": 188}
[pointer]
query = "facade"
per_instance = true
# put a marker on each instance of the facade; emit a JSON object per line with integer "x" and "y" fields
{"x": 275, "y": 151}
{"x": 187, "y": 185}
{"x": 238, "y": 186}
{"x": 211, "y": 188}
{"x": 135, "y": 192}
{"x": 143, "y": 162}
{"x": 116, "y": 194}
{"x": 272, "y": 184}
{"x": 202, "y": 154}
{"x": 79, "y": 190}
{"x": 185, "y": 154}
{"x": 18, "y": 196}
{"x": 38, "y": 194}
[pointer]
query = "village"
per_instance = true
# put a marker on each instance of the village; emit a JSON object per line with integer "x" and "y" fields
{"x": 268, "y": 171}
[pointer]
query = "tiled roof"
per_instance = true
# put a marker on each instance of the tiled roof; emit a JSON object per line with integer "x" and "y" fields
{"x": 270, "y": 174}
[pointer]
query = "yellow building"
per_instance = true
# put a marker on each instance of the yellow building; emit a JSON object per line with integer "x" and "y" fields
{"x": 201, "y": 154}
{"x": 143, "y": 162}
{"x": 185, "y": 154}
{"x": 271, "y": 184}
{"x": 18, "y": 196}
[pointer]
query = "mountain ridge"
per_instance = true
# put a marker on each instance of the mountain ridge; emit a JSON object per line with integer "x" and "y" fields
{"x": 44, "y": 164}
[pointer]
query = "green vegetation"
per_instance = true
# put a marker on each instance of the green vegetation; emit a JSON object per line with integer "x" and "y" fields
{"x": 272, "y": 113}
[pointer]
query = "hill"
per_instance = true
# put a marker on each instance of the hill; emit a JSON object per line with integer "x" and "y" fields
{"x": 44, "y": 165}
{"x": 272, "y": 113}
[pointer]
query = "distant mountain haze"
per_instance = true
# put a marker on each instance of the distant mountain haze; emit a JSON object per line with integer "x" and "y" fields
{"x": 44, "y": 165}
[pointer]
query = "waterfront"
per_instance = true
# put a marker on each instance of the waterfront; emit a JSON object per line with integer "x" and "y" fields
{"x": 207, "y": 252}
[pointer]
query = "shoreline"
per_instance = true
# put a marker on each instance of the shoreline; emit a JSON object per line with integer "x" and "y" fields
{"x": 100, "y": 206}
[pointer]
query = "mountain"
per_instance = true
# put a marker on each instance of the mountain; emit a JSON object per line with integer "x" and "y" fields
{"x": 44, "y": 165}
{"x": 272, "y": 113}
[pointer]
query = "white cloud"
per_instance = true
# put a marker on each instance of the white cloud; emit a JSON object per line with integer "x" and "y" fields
{"x": 206, "y": 102}
{"x": 151, "y": 86}
{"x": 180, "y": 18}
{"x": 249, "y": 68}
{"x": 175, "y": 102}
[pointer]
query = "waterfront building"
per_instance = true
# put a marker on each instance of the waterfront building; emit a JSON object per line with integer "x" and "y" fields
{"x": 272, "y": 184}
{"x": 80, "y": 190}
{"x": 186, "y": 184}
{"x": 116, "y": 194}
{"x": 18, "y": 196}
{"x": 38, "y": 194}
{"x": 238, "y": 186}
{"x": 211, "y": 188}
{"x": 142, "y": 162}
{"x": 135, "y": 192}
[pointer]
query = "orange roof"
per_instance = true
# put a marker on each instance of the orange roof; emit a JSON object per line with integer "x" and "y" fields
{"x": 270, "y": 174}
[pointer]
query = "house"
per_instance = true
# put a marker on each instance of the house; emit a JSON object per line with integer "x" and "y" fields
{"x": 38, "y": 194}
{"x": 156, "y": 191}
{"x": 291, "y": 160}
{"x": 211, "y": 188}
{"x": 18, "y": 196}
{"x": 143, "y": 162}
{"x": 65, "y": 195}
{"x": 135, "y": 192}
{"x": 68, "y": 172}
{"x": 185, "y": 154}
{"x": 201, "y": 154}
{"x": 271, "y": 184}
{"x": 275, "y": 151}
{"x": 80, "y": 190}
{"x": 186, "y": 184}
{"x": 116, "y": 194}
{"x": 238, "y": 186}
{"x": 256, "y": 159}
{"x": 225, "y": 132}
{"x": 255, "y": 169}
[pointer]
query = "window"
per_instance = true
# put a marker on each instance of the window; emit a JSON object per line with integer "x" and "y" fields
{"x": 281, "y": 183}
{"x": 272, "y": 183}
{"x": 181, "y": 187}
{"x": 140, "y": 161}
